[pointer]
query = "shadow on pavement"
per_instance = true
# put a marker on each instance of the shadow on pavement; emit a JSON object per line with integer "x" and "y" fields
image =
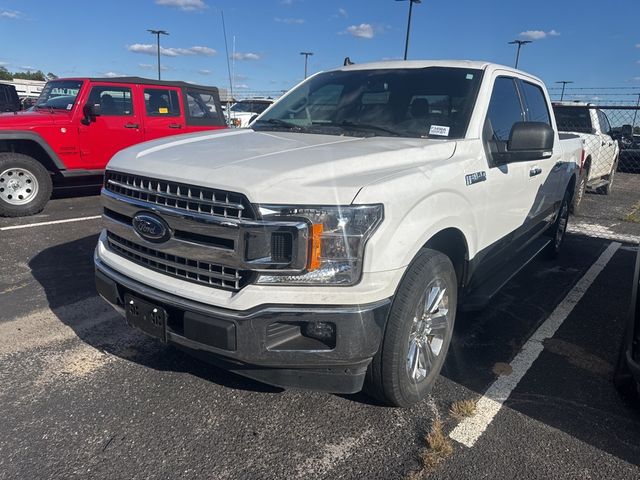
{"x": 570, "y": 385}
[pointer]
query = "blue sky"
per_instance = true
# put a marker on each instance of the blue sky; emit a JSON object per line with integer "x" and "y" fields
{"x": 595, "y": 44}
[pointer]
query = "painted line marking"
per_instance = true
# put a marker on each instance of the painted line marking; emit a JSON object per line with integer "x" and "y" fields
{"x": 53, "y": 222}
{"x": 470, "y": 429}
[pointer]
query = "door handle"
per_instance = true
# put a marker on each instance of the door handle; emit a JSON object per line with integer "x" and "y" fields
{"x": 175, "y": 125}
{"x": 131, "y": 125}
{"x": 535, "y": 171}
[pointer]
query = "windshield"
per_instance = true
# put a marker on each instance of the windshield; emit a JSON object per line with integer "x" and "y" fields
{"x": 59, "y": 94}
{"x": 433, "y": 102}
{"x": 573, "y": 119}
{"x": 251, "y": 107}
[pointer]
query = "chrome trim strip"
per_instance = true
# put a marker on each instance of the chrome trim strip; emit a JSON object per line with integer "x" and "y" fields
{"x": 181, "y": 198}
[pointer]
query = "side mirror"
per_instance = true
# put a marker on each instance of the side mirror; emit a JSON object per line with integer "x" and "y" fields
{"x": 529, "y": 141}
{"x": 90, "y": 111}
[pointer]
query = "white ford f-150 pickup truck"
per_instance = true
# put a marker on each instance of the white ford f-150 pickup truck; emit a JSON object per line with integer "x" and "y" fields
{"x": 330, "y": 245}
{"x": 601, "y": 150}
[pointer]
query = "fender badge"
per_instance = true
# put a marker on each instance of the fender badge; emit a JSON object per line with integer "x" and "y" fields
{"x": 475, "y": 178}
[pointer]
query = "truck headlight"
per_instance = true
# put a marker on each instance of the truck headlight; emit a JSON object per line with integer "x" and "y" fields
{"x": 337, "y": 239}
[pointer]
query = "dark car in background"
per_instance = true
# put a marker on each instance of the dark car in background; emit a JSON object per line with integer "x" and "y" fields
{"x": 9, "y": 101}
{"x": 627, "y": 375}
{"x": 628, "y": 138}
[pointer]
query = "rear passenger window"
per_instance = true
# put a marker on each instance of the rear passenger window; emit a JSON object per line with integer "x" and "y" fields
{"x": 201, "y": 105}
{"x": 113, "y": 101}
{"x": 504, "y": 108}
{"x": 161, "y": 102}
{"x": 537, "y": 110}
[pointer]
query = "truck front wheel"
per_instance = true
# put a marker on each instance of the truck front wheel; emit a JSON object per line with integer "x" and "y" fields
{"x": 418, "y": 332}
{"x": 25, "y": 185}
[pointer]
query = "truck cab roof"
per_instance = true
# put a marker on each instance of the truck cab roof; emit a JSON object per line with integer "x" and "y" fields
{"x": 140, "y": 81}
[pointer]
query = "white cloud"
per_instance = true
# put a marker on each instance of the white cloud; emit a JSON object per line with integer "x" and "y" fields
{"x": 245, "y": 56}
{"x": 538, "y": 34}
{"x": 343, "y": 13}
{"x": 204, "y": 71}
{"x": 186, "y": 5}
{"x": 112, "y": 74}
{"x": 149, "y": 49}
{"x": 290, "y": 21}
{"x": 364, "y": 30}
{"x": 13, "y": 14}
{"x": 240, "y": 76}
{"x": 206, "y": 51}
{"x": 27, "y": 68}
{"x": 148, "y": 66}
{"x": 242, "y": 86}
{"x": 637, "y": 45}
{"x": 636, "y": 79}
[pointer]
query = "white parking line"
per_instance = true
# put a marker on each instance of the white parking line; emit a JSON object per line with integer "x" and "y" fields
{"x": 53, "y": 222}
{"x": 470, "y": 429}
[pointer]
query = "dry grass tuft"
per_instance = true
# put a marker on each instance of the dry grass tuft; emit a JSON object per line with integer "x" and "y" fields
{"x": 462, "y": 409}
{"x": 438, "y": 448}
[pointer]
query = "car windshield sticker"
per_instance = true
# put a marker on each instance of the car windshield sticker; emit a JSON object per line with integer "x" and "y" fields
{"x": 439, "y": 130}
{"x": 69, "y": 106}
{"x": 469, "y": 76}
{"x": 163, "y": 110}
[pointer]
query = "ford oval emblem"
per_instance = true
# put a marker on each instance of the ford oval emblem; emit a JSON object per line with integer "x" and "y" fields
{"x": 151, "y": 228}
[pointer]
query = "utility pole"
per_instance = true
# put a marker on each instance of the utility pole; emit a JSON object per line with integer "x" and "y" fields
{"x": 306, "y": 56}
{"x": 564, "y": 84}
{"x": 406, "y": 42}
{"x": 157, "y": 33}
{"x": 520, "y": 43}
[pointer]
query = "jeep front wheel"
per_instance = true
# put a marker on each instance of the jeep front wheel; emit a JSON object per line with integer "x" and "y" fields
{"x": 25, "y": 185}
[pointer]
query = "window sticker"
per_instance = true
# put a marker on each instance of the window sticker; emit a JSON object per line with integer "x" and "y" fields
{"x": 469, "y": 76}
{"x": 69, "y": 106}
{"x": 163, "y": 110}
{"x": 439, "y": 130}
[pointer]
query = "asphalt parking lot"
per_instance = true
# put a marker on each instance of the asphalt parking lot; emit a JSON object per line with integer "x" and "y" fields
{"x": 84, "y": 396}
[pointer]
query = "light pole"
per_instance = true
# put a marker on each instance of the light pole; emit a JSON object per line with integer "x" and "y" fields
{"x": 306, "y": 56}
{"x": 406, "y": 42}
{"x": 520, "y": 43}
{"x": 157, "y": 33}
{"x": 564, "y": 84}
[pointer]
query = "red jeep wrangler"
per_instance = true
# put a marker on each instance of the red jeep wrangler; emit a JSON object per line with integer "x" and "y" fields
{"x": 78, "y": 124}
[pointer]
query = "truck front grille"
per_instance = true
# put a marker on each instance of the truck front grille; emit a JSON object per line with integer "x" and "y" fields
{"x": 195, "y": 271}
{"x": 180, "y": 196}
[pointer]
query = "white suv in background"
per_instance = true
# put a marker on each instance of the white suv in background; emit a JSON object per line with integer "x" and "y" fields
{"x": 242, "y": 113}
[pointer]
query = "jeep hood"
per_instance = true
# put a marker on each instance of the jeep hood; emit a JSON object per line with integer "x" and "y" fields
{"x": 280, "y": 167}
{"x": 27, "y": 119}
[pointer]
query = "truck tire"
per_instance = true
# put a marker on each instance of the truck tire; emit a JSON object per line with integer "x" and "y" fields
{"x": 575, "y": 207}
{"x": 418, "y": 332}
{"x": 606, "y": 189}
{"x": 559, "y": 229}
{"x": 25, "y": 185}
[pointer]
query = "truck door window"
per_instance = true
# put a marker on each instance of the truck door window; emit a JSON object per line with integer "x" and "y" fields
{"x": 160, "y": 102}
{"x": 573, "y": 119}
{"x": 505, "y": 108}
{"x": 605, "y": 127}
{"x": 537, "y": 110}
{"x": 113, "y": 101}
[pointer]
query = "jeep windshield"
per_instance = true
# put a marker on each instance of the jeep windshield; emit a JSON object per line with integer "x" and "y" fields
{"x": 432, "y": 102}
{"x": 59, "y": 95}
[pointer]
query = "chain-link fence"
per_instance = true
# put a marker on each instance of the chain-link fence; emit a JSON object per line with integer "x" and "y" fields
{"x": 607, "y": 198}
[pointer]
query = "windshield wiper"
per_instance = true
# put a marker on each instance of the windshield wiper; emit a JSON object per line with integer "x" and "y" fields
{"x": 368, "y": 126}
{"x": 282, "y": 123}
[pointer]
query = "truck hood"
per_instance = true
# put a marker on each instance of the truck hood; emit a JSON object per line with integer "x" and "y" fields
{"x": 27, "y": 119}
{"x": 277, "y": 167}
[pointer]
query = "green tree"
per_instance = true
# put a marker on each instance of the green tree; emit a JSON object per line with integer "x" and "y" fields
{"x": 5, "y": 74}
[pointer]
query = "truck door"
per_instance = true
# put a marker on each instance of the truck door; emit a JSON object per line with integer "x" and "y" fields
{"x": 163, "y": 112}
{"x": 552, "y": 174}
{"x": 117, "y": 125}
{"x": 513, "y": 197}
{"x": 608, "y": 147}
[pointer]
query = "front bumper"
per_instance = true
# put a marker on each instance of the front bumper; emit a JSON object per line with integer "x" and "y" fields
{"x": 270, "y": 343}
